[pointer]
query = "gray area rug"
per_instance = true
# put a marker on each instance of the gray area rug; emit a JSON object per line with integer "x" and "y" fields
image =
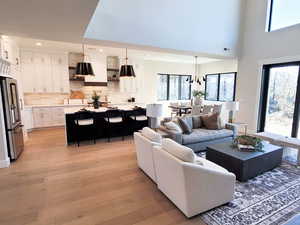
{"x": 272, "y": 198}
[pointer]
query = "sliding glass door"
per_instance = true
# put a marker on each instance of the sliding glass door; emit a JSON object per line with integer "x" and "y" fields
{"x": 279, "y": 112}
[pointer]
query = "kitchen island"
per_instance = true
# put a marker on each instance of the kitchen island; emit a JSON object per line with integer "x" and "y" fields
{"x": 99, "y": 118}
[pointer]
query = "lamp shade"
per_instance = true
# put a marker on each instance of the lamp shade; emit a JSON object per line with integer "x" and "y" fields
{"x": 84, "y": 69}
{"x": 127, "y": 71}
{"x": 232, "y": 106}
{"x": 154, "y": 110}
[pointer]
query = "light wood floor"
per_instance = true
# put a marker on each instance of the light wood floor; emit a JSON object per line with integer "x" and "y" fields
{"x": 52, "y": 184}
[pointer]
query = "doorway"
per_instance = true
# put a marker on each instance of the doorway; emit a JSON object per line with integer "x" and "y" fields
{"x": 279, "y": 107}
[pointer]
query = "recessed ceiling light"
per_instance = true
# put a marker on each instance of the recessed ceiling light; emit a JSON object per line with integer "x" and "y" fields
{"x": 38, "y": 44}
{"x": 100, "y": 50}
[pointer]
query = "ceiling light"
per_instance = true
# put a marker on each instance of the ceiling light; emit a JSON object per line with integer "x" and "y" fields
{"x": 100, "y": 50}
{"x": 127, "y": 70}
{"x": 84, "y": 68}
{"x": 38, "y": 44}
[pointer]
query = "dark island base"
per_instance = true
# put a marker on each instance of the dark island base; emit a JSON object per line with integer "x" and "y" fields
{"x": 102, "y": 129}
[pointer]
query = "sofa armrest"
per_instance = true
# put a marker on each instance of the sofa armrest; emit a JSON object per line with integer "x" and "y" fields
{"x": 233, "y": 127}
{"x": 207, "y": 188}
{"x": 173, "y": 135}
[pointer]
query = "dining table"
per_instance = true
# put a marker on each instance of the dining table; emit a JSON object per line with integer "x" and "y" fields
{"x": 182, "y": 109}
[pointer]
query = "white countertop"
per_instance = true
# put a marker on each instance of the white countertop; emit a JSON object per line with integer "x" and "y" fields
{"x": 72, "y": 110}
{"x": 58, "y": 105}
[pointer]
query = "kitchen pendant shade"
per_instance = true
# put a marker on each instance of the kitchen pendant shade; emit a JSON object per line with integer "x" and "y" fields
{"x": 127, "y": 71}
{"x": 84, "y": 69}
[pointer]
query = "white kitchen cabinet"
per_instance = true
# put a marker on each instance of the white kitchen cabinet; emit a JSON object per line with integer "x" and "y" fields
{"x": 44, "y": 72}
{"x": 28, "y": 119}
{"x": 48, "y": 117}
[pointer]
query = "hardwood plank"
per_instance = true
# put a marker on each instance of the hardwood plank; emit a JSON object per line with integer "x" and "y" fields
{"x": 54, "y": 184}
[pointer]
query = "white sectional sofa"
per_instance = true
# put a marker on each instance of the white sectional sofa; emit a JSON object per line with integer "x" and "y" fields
{"x": 193, "y": 184}
{"x": 144, "y": 143}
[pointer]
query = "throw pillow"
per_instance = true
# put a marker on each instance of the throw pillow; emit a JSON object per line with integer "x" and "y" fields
{"x": 186, "y": 128}
{"x": 177, "y": 150}
{"x": 173, "y": 127}
{"x": 197, "y": 122}
{"x": 212, "y": 121}
{"x": 151, "y": 134}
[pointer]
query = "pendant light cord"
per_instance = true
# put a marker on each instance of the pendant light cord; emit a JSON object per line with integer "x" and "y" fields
{"x": 126, "y": 58}
{"x": 196, "y": 70}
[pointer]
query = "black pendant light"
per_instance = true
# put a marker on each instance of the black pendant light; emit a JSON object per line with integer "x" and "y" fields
{"x": 84, "y": 68}
{"x": 127, "y": 70}
{"x": 195, "y": 79}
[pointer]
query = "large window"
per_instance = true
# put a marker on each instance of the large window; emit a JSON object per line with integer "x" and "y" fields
{"x": 283, "y": 13}
{"x": 220, "y": 87}
{"x": 174, "y": 87}
{"x": 280, "y": 99}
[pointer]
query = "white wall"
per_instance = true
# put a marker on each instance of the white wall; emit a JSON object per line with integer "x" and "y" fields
{"x": 196, "y": 25}
{"x": 257, "y": 48}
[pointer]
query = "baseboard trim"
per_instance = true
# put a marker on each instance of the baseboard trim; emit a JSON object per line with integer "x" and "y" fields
{"x": 4, "y": 163}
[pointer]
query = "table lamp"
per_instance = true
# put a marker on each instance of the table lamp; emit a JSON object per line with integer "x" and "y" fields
{"x": 232, "y": 107}
{"x": 154, "y": 111}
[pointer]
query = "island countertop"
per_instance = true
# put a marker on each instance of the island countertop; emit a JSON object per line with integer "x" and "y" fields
{"x": 71, "y": 110}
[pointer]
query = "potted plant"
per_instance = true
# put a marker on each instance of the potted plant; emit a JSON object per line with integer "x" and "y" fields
{"x": 198, "y": 97}
{"x": 95, "y": 98}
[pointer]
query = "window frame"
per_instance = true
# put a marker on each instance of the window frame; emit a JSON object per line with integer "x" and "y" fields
{"x": 262, "y": 110}
{"x": 179, "y": 86}
{"x": 270, "y": 17}
{"x": 218, "y": 88}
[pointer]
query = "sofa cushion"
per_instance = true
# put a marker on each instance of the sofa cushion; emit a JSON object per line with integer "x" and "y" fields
{"x": 200, "y": 135}
{"x": 186, "y": 125}
{"x": 197, "y": 122}
{"x": 151, "y": 135}
{"x": 179, "y": 151}
{"x": 212, "y": 121}
{"x": 173, "y": 126}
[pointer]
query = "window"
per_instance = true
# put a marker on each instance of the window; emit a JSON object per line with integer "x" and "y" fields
{"x": 283, "y": 13}
{"x": 280, "y": 100}
{"x": 220, "y": 87}
{"x": 173, "y": 87}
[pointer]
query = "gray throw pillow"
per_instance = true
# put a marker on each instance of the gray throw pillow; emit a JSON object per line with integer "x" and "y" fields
{"x": 189, "y": 120}
{"x": 185, "y": 126}
{"x": 197, "y": 122}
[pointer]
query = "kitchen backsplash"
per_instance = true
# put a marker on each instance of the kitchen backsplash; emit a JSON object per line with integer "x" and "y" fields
{"x": 112, "y": 91}
{"x": 44, "y": 99}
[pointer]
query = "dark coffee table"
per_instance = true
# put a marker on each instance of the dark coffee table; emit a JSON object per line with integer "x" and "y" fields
{"x": 245, "y": 165}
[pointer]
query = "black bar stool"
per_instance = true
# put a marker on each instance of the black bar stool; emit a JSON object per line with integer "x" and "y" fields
{"x": 139, "y": 119}
{"x": 85, "y": 125}
{"x": 115, "y": 123}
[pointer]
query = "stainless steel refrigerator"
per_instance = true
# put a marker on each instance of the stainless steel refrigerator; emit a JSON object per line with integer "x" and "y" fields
{"x": 12, "y": 117}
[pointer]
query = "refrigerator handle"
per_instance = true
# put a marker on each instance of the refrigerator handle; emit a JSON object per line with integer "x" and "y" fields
{"x": 21, "y": 103}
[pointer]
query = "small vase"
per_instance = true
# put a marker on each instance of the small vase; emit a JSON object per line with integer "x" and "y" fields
{"x": 96, "y": 105}
{"x": 197, "y": 101}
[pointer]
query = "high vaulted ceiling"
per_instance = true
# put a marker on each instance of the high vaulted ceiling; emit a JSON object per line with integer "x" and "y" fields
{"x": 61, "y": 20}
{"x": 199, "y": 26}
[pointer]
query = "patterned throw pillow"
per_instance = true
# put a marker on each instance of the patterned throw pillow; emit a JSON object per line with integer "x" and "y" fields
{"x": 185, "y": 126}
{"x": 212, "y": 121}
{"x": 197, "y": 122}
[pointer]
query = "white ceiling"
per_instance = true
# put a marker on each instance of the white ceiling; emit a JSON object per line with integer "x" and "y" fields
{"x": 61, "y": 20}
{"x": 198, "y": 26}
{"x": 27, "y": 43}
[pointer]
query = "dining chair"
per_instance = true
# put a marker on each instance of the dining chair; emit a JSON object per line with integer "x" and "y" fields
{"x": 174, "y": 111}
{"x": 196, "y": 110}
{"x": 115, "y": 123}
{"x": 85, "y": 125}
{"x": 207, "y": 109}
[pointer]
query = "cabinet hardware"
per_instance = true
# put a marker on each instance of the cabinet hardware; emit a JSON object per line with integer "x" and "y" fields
{"x": 6, "y": 54}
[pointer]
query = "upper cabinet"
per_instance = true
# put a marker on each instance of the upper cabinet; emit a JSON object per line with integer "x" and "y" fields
{"x": 44, "y": 72}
